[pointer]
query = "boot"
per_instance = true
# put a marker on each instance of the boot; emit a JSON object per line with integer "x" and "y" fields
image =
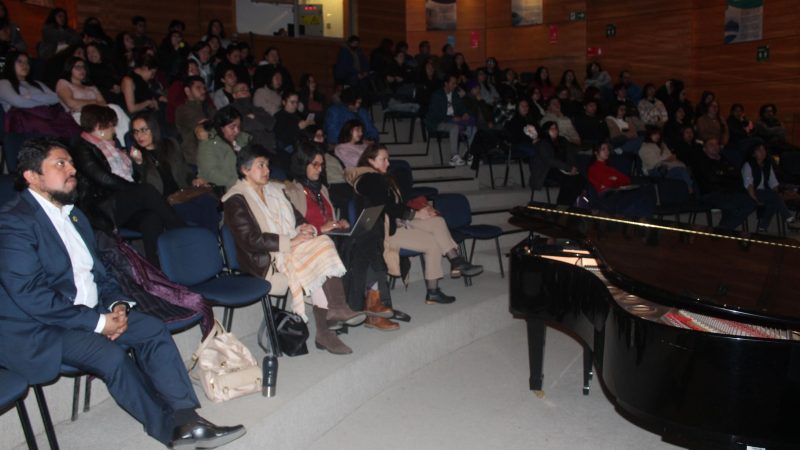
{"x": 339, "y": 312}
{"x": 375, "y": 307}
{"x": 380, "y": 323}
{"x": 325, "y": 338}
{"x": 460, "y": 266}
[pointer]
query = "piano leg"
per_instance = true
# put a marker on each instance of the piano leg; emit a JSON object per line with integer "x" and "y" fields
{"x": 587, "y": 368}
{"x": 536, "y": 338}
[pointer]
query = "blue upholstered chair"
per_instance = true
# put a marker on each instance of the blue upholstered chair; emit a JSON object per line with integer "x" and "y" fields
{"x": 12, "y": 393}
{"x": 191, "y": 257}
{"x": 456, "y": 211}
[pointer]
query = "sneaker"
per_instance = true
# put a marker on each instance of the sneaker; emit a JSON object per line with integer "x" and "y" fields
{"x": 456, "y": 161}
{"x": 470, "y": 158}
{"x": 617, "y": 151}
{"x": 435, "y": 296}
{"x": 792, "y": 224}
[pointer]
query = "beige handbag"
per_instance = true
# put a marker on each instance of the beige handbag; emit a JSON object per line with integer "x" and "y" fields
{"x": 224, "y": 367}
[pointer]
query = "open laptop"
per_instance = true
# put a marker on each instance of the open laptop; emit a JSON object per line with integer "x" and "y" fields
{"x": 366, "y": 220}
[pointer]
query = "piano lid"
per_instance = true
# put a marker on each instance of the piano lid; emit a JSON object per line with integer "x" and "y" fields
{"x": 741, "y": 276}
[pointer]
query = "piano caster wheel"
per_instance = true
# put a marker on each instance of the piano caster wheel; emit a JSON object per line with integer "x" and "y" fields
{"x": 539, "y": 394}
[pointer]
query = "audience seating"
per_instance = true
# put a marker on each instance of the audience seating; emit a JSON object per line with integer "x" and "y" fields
{"x": 457, "y": 213}
{"x": 13, "y": 389}
{"x": 191, "y": 257}
{"x": 394, "y": 116}
{"x": 438, "y": 135}
{"x": 404, "y": 176}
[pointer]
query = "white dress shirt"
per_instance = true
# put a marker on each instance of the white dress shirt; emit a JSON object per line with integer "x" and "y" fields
{"x": 79, "y": 255}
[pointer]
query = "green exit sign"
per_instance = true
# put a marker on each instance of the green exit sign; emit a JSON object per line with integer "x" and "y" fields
{"x": 611, "y": 30}
{"x": 575, "y": 16}
{"x": 762, "y": 53}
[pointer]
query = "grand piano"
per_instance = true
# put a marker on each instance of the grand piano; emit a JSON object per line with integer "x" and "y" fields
{"x": 694, "y": 333}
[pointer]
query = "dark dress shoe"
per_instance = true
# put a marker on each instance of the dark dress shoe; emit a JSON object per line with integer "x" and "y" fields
{"x": 459, "y": 266}
{"x": 437, "y": 296}
{"x": 201, "y": 433}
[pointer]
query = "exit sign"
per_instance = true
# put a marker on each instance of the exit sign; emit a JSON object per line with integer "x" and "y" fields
{"x": 575, "y": 16}
{"x": 762, "y": 53}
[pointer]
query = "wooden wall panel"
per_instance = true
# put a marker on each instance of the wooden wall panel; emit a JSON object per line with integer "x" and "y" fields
{"x": 602, "y": 10}
{"x": 30, "y": 19}
{"x": 653, "y": 46}
{"x": 532, "y": 48}
{"x": 378, "y": 19}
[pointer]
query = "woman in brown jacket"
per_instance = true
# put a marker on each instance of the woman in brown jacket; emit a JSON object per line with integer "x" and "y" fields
{"x": 273, "y": 239}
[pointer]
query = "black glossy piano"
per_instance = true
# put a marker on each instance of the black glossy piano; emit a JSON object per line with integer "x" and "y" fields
{"x": 694, "y": 333}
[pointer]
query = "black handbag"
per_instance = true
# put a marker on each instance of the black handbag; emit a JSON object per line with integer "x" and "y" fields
{"x": 291, "y": 330}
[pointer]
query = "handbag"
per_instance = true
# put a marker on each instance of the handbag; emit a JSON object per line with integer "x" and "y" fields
{"x": 224, "y": 367}
{"x": 291, "y": 330}
{"x": 189, "y": 193}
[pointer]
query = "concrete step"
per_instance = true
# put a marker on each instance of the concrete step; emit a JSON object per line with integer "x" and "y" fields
{"x": 448, "y": 184}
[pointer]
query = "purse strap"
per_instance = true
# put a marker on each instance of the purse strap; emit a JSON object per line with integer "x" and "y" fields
{"x": 216, "y": 330}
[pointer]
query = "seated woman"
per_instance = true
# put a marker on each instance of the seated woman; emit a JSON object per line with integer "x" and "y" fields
{"x": 56, "y": 33}
{"x": 652, "y": 110}
{"x": 289, "y": 123}
{"x": 554, "y": 158}
{"x": 102, "y": 74}
{"x": 216, "y": 155}
{"x": 418, "y": 230}
{"x": 310, "y": 96}
{"x": 711, "y": 125}
{"x": 762, "y": 185}
{"x": 350, "y": 147}
{"x": 270, "y": 95}
{"x": 363, "y": 255}
{"x": 622, "y": 132}
{"x": 333, "y": 176}
{"x": 18, "y": 89}
{"x": 136, "y": 87}
{"x": 160, "y": 163}
{"x": 107, "y": 189}
{"x": 659, "y": 161}
{"x": 272, "y": 239}
{"x": 74, "y": 94}
{"x": 612, "y": 188}
{"x": 521, "y": 129}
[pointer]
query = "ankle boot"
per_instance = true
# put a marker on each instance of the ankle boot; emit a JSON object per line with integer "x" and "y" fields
{"x": 380, "y": 323}
{"x": 325, "y": 338}
{"x": 460, "y": 266}
{"x": 339, "y": 311}
{"x": 375, "y": 307}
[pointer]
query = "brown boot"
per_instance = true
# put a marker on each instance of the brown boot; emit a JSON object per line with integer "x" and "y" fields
{"x": 381, "y": 323}
{"x": 325, "y": 338}
{"x": 375, "y": 307}
{"x": 339, "y": 312}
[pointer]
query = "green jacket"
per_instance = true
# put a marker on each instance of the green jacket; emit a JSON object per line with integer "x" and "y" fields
{"x": 216, "y": 159}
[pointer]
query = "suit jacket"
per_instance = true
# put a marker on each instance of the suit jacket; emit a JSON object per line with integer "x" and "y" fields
{"x": 38, "y": 289}
{"x": 437, "y": 109}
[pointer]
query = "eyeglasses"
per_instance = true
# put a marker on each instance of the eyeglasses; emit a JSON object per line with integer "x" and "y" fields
{"x": 318, "y": 164}
{"x": 143, "y": 130}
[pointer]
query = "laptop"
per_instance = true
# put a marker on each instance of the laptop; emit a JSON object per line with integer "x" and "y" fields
{"x": 366, "y": 220}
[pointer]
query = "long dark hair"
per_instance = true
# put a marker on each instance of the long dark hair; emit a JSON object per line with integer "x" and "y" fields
{"x": 10, "y": 72}
{"x": 221, "y": 34}
{"x": 563, "y": 81}
{"x": 303, "y": 155}
{"x": 224, "y": 117}
{"x": 151, "y": 121}
{"x": 51, "y": 18}
{"x": 347, "y": 130}
{"x": 69, "y": 65}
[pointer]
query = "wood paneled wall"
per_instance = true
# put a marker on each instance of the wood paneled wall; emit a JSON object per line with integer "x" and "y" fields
{"x": 31, "y": 18}
{"x": 378, "y": 19}
{"x": 655, "y": 40}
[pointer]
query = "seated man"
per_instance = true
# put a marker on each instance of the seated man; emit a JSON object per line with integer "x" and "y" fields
{"x": 189, "y": 117}
{"x": 59, "y": 305}
{"x": 446, "y": 112}
{"x": 721, "y": 185}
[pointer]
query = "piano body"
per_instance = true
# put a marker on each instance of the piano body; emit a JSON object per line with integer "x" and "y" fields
{"x": 691, "y": 331}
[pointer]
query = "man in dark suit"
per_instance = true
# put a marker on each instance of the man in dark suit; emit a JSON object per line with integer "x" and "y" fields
{"x": 59, "y": 305}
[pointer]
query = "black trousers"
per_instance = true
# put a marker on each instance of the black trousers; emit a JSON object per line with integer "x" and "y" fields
{"x": 142, "y": 208}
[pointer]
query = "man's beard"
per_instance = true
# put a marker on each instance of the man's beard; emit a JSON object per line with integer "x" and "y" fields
{"x": 64, "y": 198}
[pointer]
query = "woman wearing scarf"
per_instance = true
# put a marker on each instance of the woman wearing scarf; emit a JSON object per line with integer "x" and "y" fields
{"x": 366, "y": 280}
{"x": 274, "y": 241}
{"x": 107, "y": 188}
